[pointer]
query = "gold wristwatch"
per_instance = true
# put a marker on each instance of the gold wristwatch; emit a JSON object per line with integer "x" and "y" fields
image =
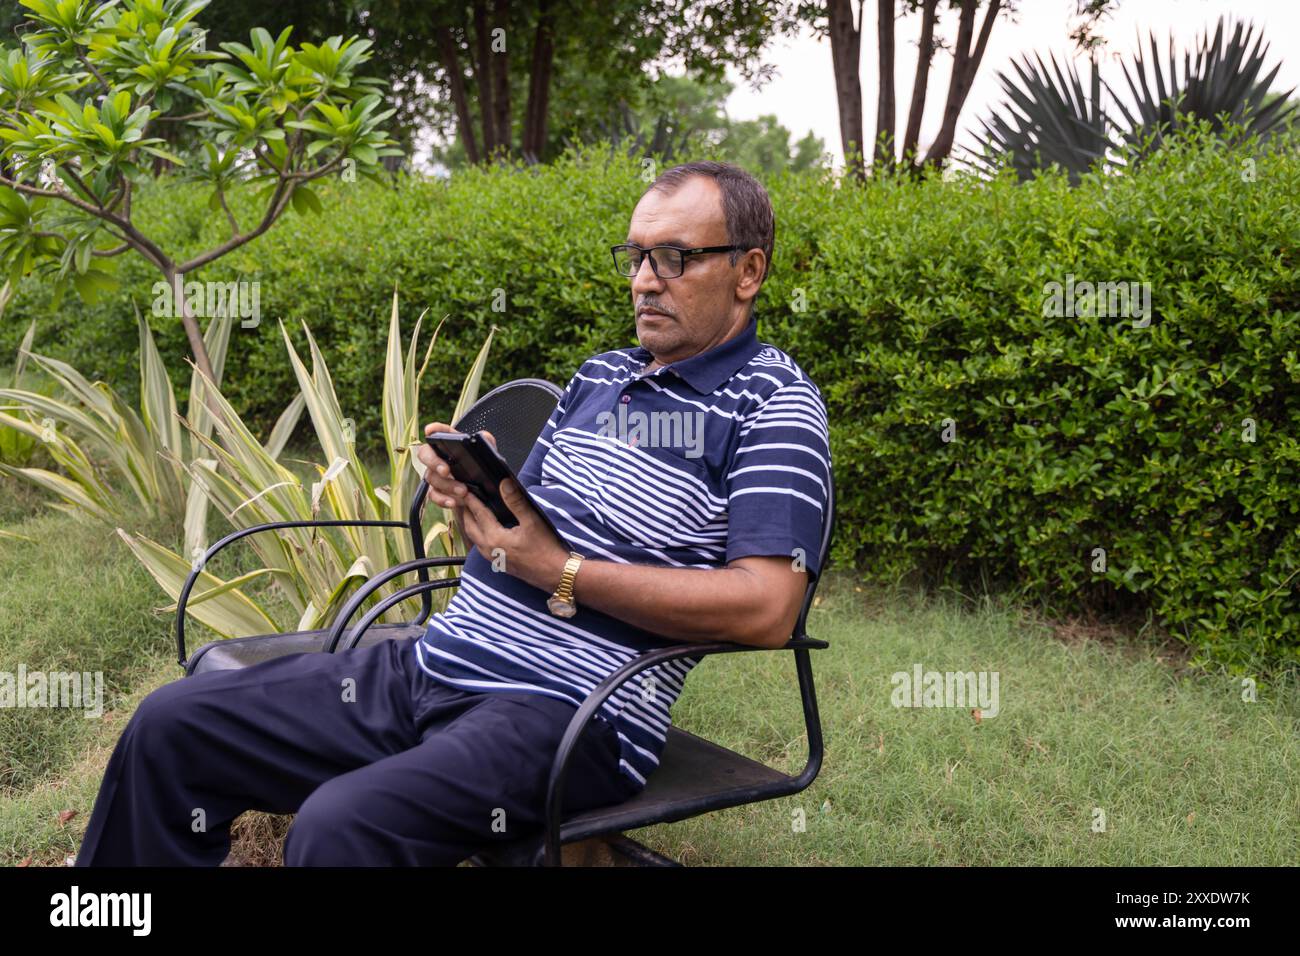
{"x": 561, "y": 603}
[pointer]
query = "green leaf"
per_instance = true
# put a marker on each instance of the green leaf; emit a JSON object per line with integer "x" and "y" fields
{"x": 92, "y": 284}
{"x": 304, "y": 201}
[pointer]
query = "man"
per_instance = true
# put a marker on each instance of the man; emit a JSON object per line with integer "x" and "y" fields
{"x": 688, "y": 477}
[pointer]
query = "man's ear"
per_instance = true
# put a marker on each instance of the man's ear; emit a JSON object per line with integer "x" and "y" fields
{"x": 752, "y": 265}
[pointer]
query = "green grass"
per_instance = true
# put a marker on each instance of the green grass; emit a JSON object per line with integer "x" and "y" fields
{"x": 1186, "y": 772}
{"x": 1184, "y": 769}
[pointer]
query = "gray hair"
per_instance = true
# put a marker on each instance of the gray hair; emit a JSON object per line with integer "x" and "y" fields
{"x": 746, "y": 207}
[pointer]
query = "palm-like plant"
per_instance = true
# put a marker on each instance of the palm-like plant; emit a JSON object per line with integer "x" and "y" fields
{"x": 1221, "y": 85}
{"x": 1051, "y": 120}
{"x": 1047, "y": 119}
{"x": 17, "y": 445}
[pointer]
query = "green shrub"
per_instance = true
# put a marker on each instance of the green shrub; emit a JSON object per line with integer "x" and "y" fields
{"x": 909, "y": 304}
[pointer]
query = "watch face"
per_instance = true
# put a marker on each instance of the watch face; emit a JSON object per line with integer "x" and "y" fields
{"x": 561, "y": 608}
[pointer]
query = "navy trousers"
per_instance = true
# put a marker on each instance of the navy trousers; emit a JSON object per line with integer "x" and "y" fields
{"x": 383, "y": 764}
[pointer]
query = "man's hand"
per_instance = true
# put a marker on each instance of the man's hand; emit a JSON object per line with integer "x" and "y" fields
{"x": 529, "y": 550}
{"x": 442, "y": 486}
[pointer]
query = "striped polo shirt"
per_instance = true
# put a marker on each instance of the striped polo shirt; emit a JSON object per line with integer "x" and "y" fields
{"x": 720, "y": 456}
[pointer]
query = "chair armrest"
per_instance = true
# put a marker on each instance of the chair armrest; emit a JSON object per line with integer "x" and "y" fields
{"x": 559, "y": 767}
{"x": 410, "y": 591}
{"x": 234, "y": 536}
{"x": 373, "y": 584}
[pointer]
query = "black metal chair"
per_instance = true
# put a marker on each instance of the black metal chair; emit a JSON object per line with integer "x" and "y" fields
{"x": 694, "y": 775}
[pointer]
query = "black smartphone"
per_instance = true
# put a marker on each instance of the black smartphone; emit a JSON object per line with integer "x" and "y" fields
{"x": 480, "y": 468}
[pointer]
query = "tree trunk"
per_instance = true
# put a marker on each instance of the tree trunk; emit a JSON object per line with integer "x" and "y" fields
{"x": 846, "y": 40}
{"x": 456, "y": 84}
{"x": 539, "y": 84}
{"x": 925, "y": 55}
{"x": 966, "y": 63}
{"x": 483, "y": 77}
{"x": 194, "y": 335}
{"x": 885, "y": 101}
{"x": 501, "y": 76}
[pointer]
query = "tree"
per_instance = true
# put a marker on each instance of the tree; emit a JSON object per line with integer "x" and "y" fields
{"x": 677, "y": 114}
{"x": 763, "y": 146}
{"x": 837, "y": 20}
{"x": 846, "y": 44}
{"x": 81, "y": 100}
{"x": 590, "y": 57}
{"x": 885, "y": 105}
{"x": 967, "y": 56}
{"x": 545, "y": 59}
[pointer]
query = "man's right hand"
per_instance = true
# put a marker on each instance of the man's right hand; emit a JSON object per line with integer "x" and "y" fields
{"x": 442, "y": 486}
{"x": 444, "y": 490}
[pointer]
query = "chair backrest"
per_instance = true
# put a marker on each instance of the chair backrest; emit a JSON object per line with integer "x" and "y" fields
{"x": 515, "y": 413}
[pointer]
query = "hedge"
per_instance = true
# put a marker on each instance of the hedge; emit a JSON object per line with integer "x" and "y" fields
{"x": 1095, "y": 461}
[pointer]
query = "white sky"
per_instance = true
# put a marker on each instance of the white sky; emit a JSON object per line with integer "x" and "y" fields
{"x": 803, "y": 93}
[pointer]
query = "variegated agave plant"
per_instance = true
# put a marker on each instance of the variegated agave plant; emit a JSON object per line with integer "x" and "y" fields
{"x": 316, "y": 569}
{"x": 112, "y": 458}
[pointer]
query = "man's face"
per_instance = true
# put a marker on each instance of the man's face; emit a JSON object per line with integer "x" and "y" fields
{"x": 680, "y": 317}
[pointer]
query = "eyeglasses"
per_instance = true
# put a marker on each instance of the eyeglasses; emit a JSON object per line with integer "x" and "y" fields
{"x": 666, "y": 261}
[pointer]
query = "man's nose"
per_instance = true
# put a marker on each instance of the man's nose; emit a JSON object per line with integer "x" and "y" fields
{"x": 645, "y": 279}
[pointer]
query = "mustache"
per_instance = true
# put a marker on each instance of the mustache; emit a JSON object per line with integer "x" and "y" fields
{"x": 651, "y": 305}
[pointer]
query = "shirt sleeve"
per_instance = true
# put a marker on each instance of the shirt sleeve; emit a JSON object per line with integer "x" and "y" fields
{"x": 778, "y": 487}
{"x": 531, "y": 473}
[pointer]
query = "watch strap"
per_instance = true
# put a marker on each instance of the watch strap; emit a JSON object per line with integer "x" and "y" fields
{"x": 565, "y": 591}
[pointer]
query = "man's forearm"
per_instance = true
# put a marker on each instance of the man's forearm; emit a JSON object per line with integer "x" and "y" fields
{"x": 686, "y": 604}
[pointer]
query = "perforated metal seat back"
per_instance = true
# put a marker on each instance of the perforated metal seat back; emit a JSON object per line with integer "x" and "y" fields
{"x": 515, "y": 413}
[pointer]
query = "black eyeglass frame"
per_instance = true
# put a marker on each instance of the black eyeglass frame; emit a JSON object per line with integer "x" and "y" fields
{"x": 654, "y": 263}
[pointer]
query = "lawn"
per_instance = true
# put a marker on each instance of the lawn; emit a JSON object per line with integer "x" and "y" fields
{"x": 1090, "y": 723}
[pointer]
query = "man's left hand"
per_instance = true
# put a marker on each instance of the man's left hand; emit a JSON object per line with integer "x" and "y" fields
{"x": 529, "y": 550}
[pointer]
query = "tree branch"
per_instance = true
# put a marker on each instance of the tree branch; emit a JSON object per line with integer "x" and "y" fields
{"x": 142, "y": 243}
{"x": 459, "y": 98}
{"x": 924, "y": 57}
{"x": 91, "y": 67}
{"x": 123, "y": 185}
{"x": 82, "y": 184}
{"x": 885, "y": 99}
{"x": 261, "y": 153}
{"x": 966, "y": 61}
{"x": 482, "y": 71}
{"x": 845, "y": 40}
{"x": 234, "y": 226}
{"x": 275, "y": 207}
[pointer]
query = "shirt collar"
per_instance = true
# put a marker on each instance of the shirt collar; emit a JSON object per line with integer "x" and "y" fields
{"x": 706, "y": 371}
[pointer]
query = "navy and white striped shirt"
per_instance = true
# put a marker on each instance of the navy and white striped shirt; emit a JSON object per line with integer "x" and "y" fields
{"x": 723, "y": 455}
